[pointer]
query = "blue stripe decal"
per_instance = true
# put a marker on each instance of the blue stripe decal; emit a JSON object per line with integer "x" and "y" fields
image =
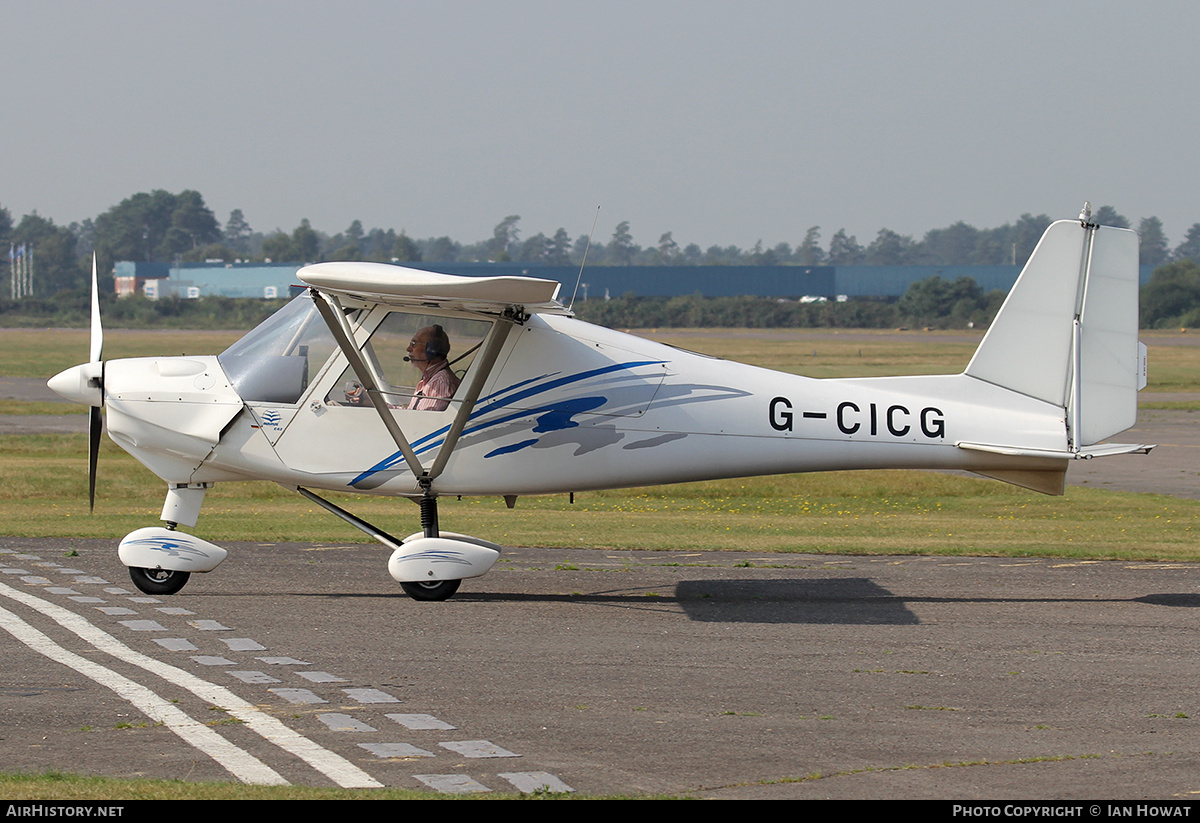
{"x": 552, "y": 417}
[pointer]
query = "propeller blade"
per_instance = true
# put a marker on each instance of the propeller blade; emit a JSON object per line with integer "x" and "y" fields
{"x": 97, "y": 330}
{"x": 94, "y": 428}
{"x": 95, "y": 422}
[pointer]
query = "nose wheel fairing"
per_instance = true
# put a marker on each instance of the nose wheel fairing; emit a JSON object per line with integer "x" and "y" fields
{"x": 161, "y": 560}
{"x": 157, "y": 548}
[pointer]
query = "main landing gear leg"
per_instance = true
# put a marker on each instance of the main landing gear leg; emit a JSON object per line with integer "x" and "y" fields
{"x": 419, "y": 561}
{"x": 434, "y": 589}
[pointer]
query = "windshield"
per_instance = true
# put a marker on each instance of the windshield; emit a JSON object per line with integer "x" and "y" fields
{"x": 273, "y": 362}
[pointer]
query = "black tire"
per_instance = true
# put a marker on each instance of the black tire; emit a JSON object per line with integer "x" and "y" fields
{"x": 434, "y": 590}
{"x": 158, "y": 581}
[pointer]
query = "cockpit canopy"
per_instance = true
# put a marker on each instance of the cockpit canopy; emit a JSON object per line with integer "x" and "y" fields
{"x": 272, "y": 363}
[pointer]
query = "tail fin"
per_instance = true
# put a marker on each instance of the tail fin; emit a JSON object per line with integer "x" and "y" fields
{"x": 1067, "y": 334}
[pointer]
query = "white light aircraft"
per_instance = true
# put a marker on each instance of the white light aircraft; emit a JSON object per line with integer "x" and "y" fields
{"x": 318, "y": 397}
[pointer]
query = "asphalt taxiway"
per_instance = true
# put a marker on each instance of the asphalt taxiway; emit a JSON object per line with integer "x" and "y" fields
{"x": 698, "y": 674}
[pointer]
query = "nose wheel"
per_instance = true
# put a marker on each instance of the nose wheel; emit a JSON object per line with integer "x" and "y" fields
{"x": 159, "y": 581}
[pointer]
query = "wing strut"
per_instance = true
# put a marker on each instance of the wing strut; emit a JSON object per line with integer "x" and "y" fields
{"x": 487, "y": 359}
{"x": 335, "y": 318}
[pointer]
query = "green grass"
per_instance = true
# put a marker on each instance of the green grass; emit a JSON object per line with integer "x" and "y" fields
{"x": 43, "y": 478}
{"x": 1174, "y": 359}
{"x": 1174, "y": 363}
{"x": 46, "y": 352}
{"x": 43, "y": 490}
{"x": 829, "y": 352}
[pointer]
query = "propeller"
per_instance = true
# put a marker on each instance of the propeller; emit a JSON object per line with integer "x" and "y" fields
{"x": 85, "y": 384}
{"x": 95, "y": 423}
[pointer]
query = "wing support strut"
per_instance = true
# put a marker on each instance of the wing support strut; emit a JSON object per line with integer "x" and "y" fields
{"x": 487, "y": 359}
{"x": 357, "y": 522}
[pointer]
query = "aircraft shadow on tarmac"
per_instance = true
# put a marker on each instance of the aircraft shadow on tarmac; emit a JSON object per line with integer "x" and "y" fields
{"x": 846, "y": 600}
{"x": 855, "y": 601}
{"x": 849, "y": 601}
{"x": 1184, "y": 599}
{"x": 852, "y": 600}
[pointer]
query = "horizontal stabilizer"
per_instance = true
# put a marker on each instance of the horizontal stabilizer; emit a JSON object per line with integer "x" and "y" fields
{"x": 1110, "y": 449}
{"x": 415, "y": 288}
{"x": 1086, "y": 453}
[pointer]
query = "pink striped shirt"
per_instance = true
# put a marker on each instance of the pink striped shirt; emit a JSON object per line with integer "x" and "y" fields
{"x": 437, "y": 386}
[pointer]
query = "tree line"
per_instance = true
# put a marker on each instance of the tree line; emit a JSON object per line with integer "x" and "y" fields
{"x": 163, "y": 226}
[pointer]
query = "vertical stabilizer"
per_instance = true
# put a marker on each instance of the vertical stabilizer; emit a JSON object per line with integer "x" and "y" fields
{"x": 1067, "y": 334}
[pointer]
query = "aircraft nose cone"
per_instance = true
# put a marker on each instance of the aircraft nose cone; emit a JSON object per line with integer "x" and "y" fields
{"x": 79, "y": 384}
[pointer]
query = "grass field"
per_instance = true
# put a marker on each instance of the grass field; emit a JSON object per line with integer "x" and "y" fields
{"x": 1174, "y": 360}
{"x": 43, "y": 477}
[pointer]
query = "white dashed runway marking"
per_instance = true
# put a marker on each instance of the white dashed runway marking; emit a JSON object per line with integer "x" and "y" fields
{"x": 239, "y": 763}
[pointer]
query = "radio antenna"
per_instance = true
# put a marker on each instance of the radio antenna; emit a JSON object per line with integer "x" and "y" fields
{"x": 583, "y": 262}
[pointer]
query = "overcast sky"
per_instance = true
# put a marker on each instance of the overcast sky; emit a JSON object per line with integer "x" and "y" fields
{"x": 722, "y": 122}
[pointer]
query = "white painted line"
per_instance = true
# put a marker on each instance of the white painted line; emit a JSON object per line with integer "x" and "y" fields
{"x": 344, "y": 723}
{"x": 298, "y": 696}
{"x": 451, "y": 783}
{"x": 395, "y": 750}
{"x": 177, "y": 644}
{"x": 208, "y": 626}
{"x": 477, "y": 748}
{"x": 417, "y": 722}
{"x": 337, "y": 768}
{"x": 210, "y": 660}
{"x": 243, "y": 644}
{"x": 254, "y": 677}
{"x": 530, "y": 782}
{"x": 240, "y": 764}
{"x": 370, "y": 696}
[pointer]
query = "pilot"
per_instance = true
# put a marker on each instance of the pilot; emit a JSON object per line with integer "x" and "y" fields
{"x": 428, "y": 351}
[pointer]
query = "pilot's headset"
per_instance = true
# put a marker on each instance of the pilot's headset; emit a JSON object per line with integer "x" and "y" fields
{"x": 438, "y": 344}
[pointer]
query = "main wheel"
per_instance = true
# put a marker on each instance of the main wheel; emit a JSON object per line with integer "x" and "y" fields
{"x": 433, "y": 590}
{"x": 158, "y": 581}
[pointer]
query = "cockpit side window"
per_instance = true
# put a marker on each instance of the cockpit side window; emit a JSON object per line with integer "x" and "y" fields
{"x": 420, "y": 360}
{"x": 273, "y": 362}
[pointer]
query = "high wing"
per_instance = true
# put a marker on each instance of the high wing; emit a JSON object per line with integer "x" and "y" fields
{"x": 413, "y": 288}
